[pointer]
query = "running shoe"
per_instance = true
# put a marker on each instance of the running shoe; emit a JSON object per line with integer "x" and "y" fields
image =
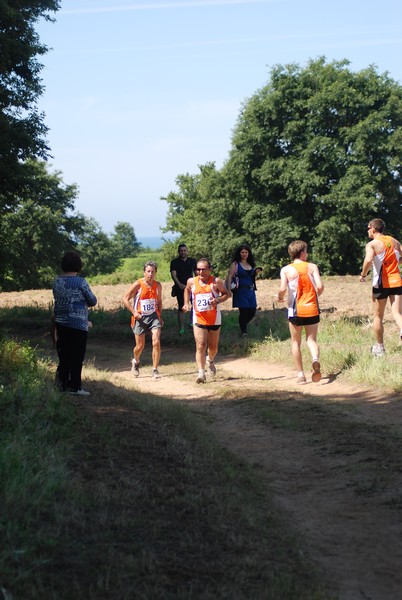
{"x": 316, "y": 374}
{"x": 378, "y": 350}
{"x": 80, "y": 392}
{"x": 201, "y": 378}
{"x": 211, "y": 367}
{"x": 155, "y": 374}
{"x": 301, "y": 379}
{"x": 135, "y": 369}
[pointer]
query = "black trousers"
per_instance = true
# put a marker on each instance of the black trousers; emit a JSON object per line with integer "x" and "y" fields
{"x": 245, "y": 316}
{"x": 71, "y": 346}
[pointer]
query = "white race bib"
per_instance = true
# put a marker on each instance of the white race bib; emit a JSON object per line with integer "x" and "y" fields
{"x": 148, "y": 306}
{"x": 291, "y": 312}
{"x": 203, "y": 302}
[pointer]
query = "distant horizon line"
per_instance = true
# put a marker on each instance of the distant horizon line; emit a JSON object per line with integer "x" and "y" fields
{"x": 154, "y": 242}
{"x": 156, "y": 235}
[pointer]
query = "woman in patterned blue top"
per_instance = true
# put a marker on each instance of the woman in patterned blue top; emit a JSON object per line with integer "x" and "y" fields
{"x": 72, "y": 296}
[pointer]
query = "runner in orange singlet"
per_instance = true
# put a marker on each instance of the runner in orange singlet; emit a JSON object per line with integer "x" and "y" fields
{"x": 146, "y": 312}
{"x": 303, "y": 284}
{"x": 383, "y": 255}
{"x": 207, "y": 293}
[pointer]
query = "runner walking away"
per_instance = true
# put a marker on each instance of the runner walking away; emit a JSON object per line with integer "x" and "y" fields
{"x": 383, "y": 255}
{"x": 72, "y": 296}
{"x": 303, "y": 284}
{"x": 181, "y": 269}
{"x": 144, "y": 300}
{"x": 207, "y": 293}
{"x": 244, "y": 297}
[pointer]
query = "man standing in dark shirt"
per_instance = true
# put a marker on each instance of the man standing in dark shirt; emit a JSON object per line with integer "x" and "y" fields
{"x": 181, "y": 268}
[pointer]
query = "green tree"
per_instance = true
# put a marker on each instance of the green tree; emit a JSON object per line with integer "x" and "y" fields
{"x": 97, "y": 250}
{"x": 37, "y": 230}
{"x": 125, "y": 240}
{"x": 22, "y": 129}
{"x": 315, "y": 154}
{"x": 206, "y": 214}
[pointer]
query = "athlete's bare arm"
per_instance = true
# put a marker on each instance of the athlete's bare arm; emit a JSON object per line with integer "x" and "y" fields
{"x": 224, "y": 294}
{"x": 368, "y": 259}
{"x": 159, "y": 300}
{"x": 283, "y": 285}
{"x": 398, "y": 248}
{"x": 317, "y": 278}
{"x": 187, "y": 295}
{"x": 131, "y": 292}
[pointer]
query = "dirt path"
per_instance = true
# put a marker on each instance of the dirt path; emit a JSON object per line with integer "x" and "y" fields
{"x": 355, "y": 539}
{"x": 338, "y": 481}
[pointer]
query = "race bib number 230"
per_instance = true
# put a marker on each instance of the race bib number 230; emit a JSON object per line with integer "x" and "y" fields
{"x": 203, "y": 302}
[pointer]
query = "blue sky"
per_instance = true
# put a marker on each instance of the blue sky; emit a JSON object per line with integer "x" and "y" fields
{"x": 138, "y": 92}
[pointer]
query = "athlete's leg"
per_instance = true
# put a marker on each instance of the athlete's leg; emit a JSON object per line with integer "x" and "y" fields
{"x": 212, "y": 343}
{"x": 139, "y": 346}
{"x": 311, "y": 337}
{"x": 378, "y": 326}
{"x": 296, "y": 336}
{"x": 396, "y": 306}
{"x": 156, "y": 347}
{"x": 201, "y": 340}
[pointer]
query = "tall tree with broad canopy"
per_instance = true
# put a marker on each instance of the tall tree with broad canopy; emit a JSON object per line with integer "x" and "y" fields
{"x": 98, "y": 252}
{"x": 34, "y": 234}
{"x": 22, "y": 129}
{"x": 125, "y": 240}
{"x": 41, "y": 226}
{"x": 316, "y": 153}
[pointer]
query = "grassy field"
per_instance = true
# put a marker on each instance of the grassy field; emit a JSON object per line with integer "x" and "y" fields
{"x": 130, "y": 495}
{"x": 142, "y": 505}
{"x": 132, "y": 268}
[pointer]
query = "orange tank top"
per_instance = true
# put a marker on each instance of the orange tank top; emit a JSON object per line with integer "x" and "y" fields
{"x": 146, "y": 300}
{"x": 386, "y": 265}
{"x": 204, "y": 313}
{"x": 303, "y": 297}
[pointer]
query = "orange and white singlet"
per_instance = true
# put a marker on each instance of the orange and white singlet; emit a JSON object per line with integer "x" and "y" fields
{"x": 302, "y": 293}
{"x": 203, "y": 312}
{"x": 386, "y": 265}
{"x": 146, "y": 300}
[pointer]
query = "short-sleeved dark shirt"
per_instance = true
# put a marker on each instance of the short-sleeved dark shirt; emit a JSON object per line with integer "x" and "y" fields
{"x": 184, "y": 268}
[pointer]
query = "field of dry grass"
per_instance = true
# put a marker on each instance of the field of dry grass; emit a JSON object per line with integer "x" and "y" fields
{"x": 342, "y": 296}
